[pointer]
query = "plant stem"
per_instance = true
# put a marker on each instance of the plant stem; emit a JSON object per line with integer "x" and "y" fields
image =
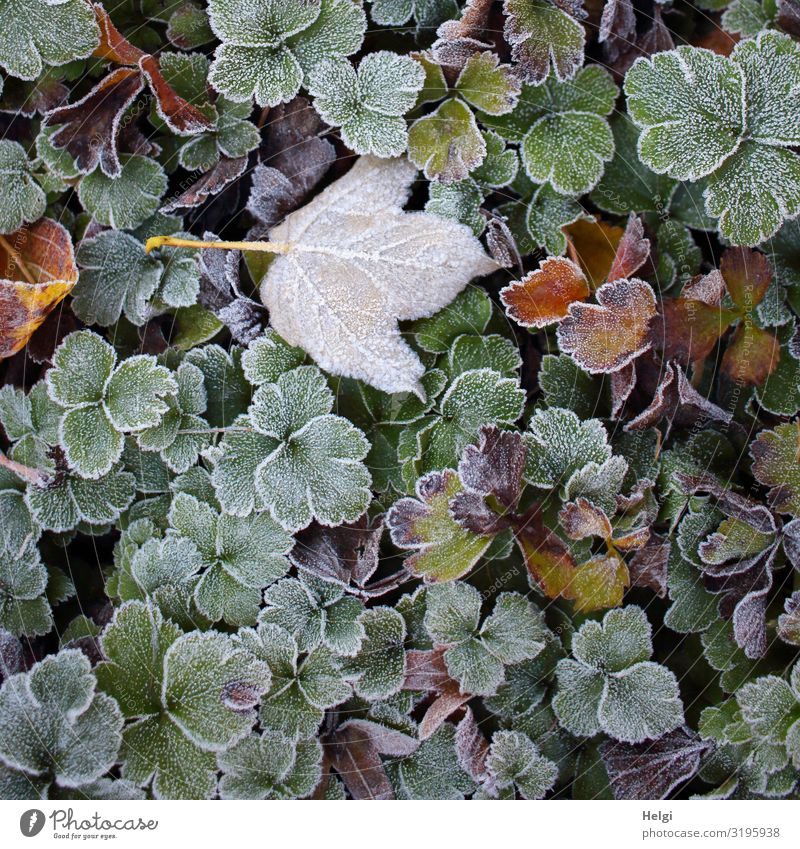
{"x": 155, "y": 242}
{"x": 14, "y": 254}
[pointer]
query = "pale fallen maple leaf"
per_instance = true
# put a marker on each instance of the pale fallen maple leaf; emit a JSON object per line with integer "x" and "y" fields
{"x": 352, "y": 264}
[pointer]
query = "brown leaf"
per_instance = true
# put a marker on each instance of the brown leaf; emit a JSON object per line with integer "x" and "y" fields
{"x": 747, "y": 276}
{"x": 581, "y": 519}
{"x": 458, "y": 40}
{"x": 472, "y": 748}
{"x": 633, "y": 250}
{"x": 606, "y": 336}
{"x": 622, "y": 384}
{"x": 38, "y": 270}
{"x": 440, "y": 710}
{"x": 356, "y": 758}
{"x": 617, "y": 28}
{"x": 547, "y": 558}
{"x": 789, "y": 16}
{"x": 502, "y": 245}
{"x": 113, "y": 46}
{"x": 544, "y": 296}
{"x": 208, "y": 185}
{"x": 708, "y": 288}
{"x": 593, "y": 243}
{"x": 177, "y": 113}
{"x": 426, "y": 670}
{"x": 752, "y": 354}
{"x": 91, "y": 126}
{"x": 687, "y": 330}
{"x": 675, "y": 399}
{"x": 495, "y": 465}
{"x": 648, "y": 567}
{"x": 653, "y": 769}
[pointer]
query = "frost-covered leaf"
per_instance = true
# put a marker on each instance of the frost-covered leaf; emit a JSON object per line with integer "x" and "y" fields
{"x": 611, "y": 686}
{"x": 45, "y": 248}
{"x": 652, "y": 770}
{"x": 125, "y": 201}
{"x": 487, "y": 85}
{"x": 541, "y": 34}
{"x": 42, "y": 32}
{"x": 476, "y": 657}
{"x": 24, "y": 201}
{"x": 606, "y": 336}
{"x": 775, "y": 464}
{"x": 567, "y": 123}
{"x": 378, "y": 669}
{"x": 270, "y": 766}
{"x": 559, "y": 444}
{"x": 293, "y": 456}
{"x": 514, "y": 760}
{"x": 431, "y": 261}
{"x": 368, "y": 105}
{"x": 432, "y": 771}
{"x": 459, "y": 201}
{"x": 238, "y": 556}
{"x": 54, "y": 724}
{"x": 728, "y": 118}
{"x": 116, "y": 276}
{"x": 268, "y": 48}
{"x": 24, "y": 608}
{"x": 190, "y": 695}
{"x": 544, "y": 296}
{"x": 447, "y": 144}
{"x": 302, "y": 687}
{"x": 546, "y": 216}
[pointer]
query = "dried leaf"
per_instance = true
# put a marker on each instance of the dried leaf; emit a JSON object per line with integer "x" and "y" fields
{"x": 338, "y": 291}
{"x": 593, "y": 244}
{"x": 633, "y": 250}
{"x": 653, "y": 769}
{"x": 225, "y": 172}
{"x": 606, "y": 336}
{"x": 648, "y": 567}
{"x": 38, "y": 270}
{"x": 355, "y": 757}
{"x": 544, "y": 296}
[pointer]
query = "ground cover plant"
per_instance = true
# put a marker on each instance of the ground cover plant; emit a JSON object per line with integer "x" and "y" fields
{"x": 399, "y": 399}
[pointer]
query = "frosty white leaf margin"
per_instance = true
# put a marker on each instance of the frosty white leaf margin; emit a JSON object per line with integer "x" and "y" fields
{"x": 352, "y": 263}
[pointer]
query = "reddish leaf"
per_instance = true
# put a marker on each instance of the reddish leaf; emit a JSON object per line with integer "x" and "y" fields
{"x": 113, "y": 45}
{"x": 179, "y": 115}
{"x": 752, "y": 354}
{"x": 548, "y": 560}
{"x": 458, "y": 40}
{"x": 38, "y": 270}
{"x": 708, "y": 288}
{"x": 581, "y": 519}
{"x": 747, "y": 276}
{"x": 653, "y": 769}
{"x": 210, "y": 184}
{"x": 687, "y": 330}
{"x": 606, "y": 336}
{"x": 440, "y": 710}
{"x": 426, "y": 670}
{"x": 622, "y": 383}
{"x": 495, "y": 465}
{"x": 91, "y": 126}
{"x": 472, "y": 748}
{"x": 544, "y": 296}
{"x": 633, "y": 251}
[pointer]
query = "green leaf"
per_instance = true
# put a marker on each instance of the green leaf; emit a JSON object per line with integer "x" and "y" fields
{"x": 270, "y": 766}
{"x": 541, "y": 34}
{"x": 55, "y": 726}
{"x": 559, "y": 444}
{"x": 116, "y": 277}
{"x": 299, "y": 460}
{"x": 24, "y": 201}
{"x": 746, "y": 18}
{"x": 135, "y": 391}
{"x": 545, "y": 216}
{"x": 126, "y": 201}
{"x": 569, "y": 140}
{"x": 432, "y": 771}
{"x": 268, "y": 357}
{"x": 728, "y": 118}
{"x": 460, "y": 201}
{"x": 227, "y": 389}
{"x": 447, "y": 144}
{"x": 267, "y": 48}
{"x": 611, "y": 685}
{"x": 378, "y": 669}
{"x": 514, "y": 760}
{"x": 24, "y": 608}
{"x": 774, "y": 454}
{"x": 487, "y": 85}
{"x": 34, "y": 33}
{"x": 302, "y": 689}
{"x": 427, "y": 13}
{"x": 469, "y": 312}
{"x": 368, "y": 105}
{"x": 500, "y": 166}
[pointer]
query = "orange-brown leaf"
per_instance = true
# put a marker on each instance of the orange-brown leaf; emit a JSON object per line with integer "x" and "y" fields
{"x": 606, "y": 336}
{"x": 38, "y": 270}
{"x": 752, "y": 354}
{"x": 548, "y": 560}
{"x": 113, "y": 46}
{"x": 593, "y": 243}
{"x": 747, "y": 275}
{"x": 688, "y": 329}
{"x": 543, "y": 296}
{"x": 180, "y": 115}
